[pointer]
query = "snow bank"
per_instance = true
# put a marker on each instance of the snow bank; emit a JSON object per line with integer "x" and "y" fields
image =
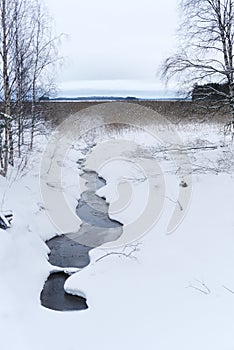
{"x": 160, "y": 291}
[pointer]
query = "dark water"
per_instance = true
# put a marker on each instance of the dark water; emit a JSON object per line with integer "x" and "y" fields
{"x": 93, "y": 210}
{"x": 65, "y": 252}
{"x": 72, "y": 250}
{"x": 97, "y": 228}
{"x": 54, "y": 297}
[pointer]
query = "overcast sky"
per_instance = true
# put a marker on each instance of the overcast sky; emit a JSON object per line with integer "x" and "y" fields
{"x": 113, "y": 46}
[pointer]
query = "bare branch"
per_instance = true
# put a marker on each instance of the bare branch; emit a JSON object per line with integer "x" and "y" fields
{"x": 133, "y": 248}
{"x": 201, "y": 287}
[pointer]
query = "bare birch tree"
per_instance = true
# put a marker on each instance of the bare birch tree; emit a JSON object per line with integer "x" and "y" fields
{"x": 44, "y": 55}
{"x": 27, "y": 51}
{"x": 5, "y": 53}
{"x": 206, "y": 53}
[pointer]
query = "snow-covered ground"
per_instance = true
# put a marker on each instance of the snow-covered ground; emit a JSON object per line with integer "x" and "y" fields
{"x": 151, "y": 289}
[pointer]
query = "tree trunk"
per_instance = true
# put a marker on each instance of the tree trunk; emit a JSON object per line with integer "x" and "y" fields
{"x": 33, "y": 116}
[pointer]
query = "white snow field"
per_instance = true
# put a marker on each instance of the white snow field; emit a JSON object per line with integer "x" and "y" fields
{"x": 157, "y": 290}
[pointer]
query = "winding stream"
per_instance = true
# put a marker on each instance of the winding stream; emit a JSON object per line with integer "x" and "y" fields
{"x": 72, "y": 250}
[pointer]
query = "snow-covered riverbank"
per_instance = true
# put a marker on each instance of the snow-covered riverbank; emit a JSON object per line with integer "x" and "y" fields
{"x": 160, "y": 291}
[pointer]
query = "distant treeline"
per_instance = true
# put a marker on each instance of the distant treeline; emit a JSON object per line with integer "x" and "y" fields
{"x": 211, "y": 92}
{"x": 91, "y": 98}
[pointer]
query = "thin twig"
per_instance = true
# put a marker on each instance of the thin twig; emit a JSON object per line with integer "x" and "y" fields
{"x": 205, "y": 291}
{"x": 134, "y": 248}
{"x": 228, "y": 289}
